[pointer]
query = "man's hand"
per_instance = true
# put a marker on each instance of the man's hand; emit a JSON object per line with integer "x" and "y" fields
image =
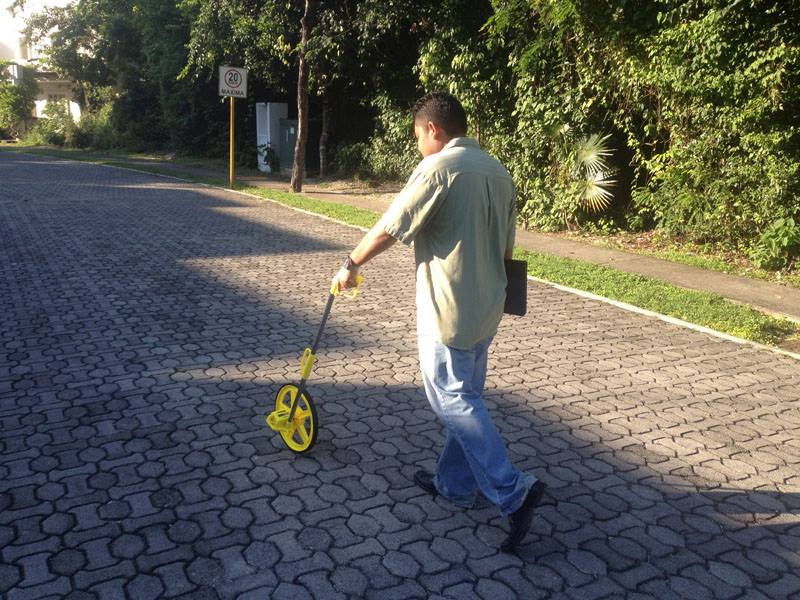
{"x": 374, "y": 242}
{"x": 346, "y": 278}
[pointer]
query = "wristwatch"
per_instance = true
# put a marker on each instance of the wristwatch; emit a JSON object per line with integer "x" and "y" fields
{"x": 349, "y": 263}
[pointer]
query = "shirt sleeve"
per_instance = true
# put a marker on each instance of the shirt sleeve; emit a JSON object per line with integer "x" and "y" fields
{"x": 413, "y": 207}
{"x": 511, "y": 234}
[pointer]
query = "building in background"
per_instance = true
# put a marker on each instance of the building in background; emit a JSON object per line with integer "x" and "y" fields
{"x": 52, "y": 88}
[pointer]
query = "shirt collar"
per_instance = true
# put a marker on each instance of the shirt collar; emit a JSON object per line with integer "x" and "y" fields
{"x": 464, "y": 142}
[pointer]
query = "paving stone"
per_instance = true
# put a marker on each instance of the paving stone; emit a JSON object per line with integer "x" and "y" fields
{"x": 204, "y": 571}
{"x": 759, "y": 565}
{"x": 406, "y": 590}
{"x": 602, "y": 588}
{"x": 287, "y": 505}
{"x": 401, "y": 564}
{"x": 318, "y": 584}
{"x": 487, "y": 588}
{"x": 184, "y": 531}
{"x": 687, "y": 588}
{"x": 80, "y": 595}
{"x": 145, "y": 587}
{"x": 55, "y": 589}
{"x": 67, "y": 562}
{"x": 10, "y": 576}
{"x": 35, "y": 569}
{"x": 287, "y": 591}
{"x": 128, "y": 546}
{"x": 165, "y": 498}
{"x": 315, "y": 538}
{"x": 730, "y": 574}
{"x": 349, "y": 581}
{"x": 461, "y": 590}
{"x": 587, "y": 562}
{"x": 262, "y": 554}
{"x": 372, "y": 568}
{"x": 58, "y": 523}
{"x": 572, "y": 576}
{"x": 235, "y": 517}
{"x": 448, "y": 550}
{"x": 429, "y": 562}
{"x": 363, "y": 525}
{"x": 785, "y": 587}
{"x": 543, "y": 577}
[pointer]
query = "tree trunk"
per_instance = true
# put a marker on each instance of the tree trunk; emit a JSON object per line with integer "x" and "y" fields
{"x": 302, "y": 100}
{"x": 323, "y": 137}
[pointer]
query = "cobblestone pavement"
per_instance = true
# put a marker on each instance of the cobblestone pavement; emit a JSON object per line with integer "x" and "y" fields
{"x": 146, "y": 325}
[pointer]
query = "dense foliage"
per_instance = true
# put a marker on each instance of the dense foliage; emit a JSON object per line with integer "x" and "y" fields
{"x": 16, "y": 101}
{"x": 677, "y": 114}
{"x": 701, "y": 99}
{"x": 125, "y": 57}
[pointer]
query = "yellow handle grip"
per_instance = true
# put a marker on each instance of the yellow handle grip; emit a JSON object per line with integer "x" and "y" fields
{"x": 307, "y": 363}
{"x": 354, "y": 294}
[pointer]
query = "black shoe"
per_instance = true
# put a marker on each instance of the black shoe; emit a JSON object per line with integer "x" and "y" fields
{"x": 520, "y": 520}
{"x": 425, "y": 480}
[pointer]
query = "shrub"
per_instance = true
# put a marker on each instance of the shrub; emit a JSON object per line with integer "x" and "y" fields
{"x": 94, "y": 130}
{"x": 777, "y": 246}
{"x": 391, "y": 152}
{"x": 350, "y": 160}
{"x": 54, "y": 128}
{"x": 16, "y": 101}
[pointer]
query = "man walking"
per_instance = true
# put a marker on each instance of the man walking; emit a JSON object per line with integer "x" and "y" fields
{"x": 458, "y": 208}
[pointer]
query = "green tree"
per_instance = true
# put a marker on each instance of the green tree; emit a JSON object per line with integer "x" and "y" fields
{"x": 17, "y": 101}
{"x": 460, "y": 57}
{"x": 129, "y": 54}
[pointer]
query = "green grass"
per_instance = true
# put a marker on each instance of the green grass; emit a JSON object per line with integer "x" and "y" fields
{"x": 687, "y": 254}
{"x": 714, "y": 263}
{"x": 701, "y": 308}
{"x": 341, "y": 212}
{"x": 711, "y": 263}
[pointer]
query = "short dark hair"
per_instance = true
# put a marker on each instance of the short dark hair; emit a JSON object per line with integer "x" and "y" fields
{"x": 444, "y": 110}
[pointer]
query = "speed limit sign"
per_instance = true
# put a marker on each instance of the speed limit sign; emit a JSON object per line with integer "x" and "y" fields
{"x": 233, "y": 82}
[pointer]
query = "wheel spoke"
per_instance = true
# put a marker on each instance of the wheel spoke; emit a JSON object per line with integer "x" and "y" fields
{"x": 287, "y": 398}
{"x": 303, "y": 434}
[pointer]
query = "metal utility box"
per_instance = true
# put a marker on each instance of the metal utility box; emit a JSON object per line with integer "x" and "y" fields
{"x": 288, "y": 139}
{"x": 268, "y": 132}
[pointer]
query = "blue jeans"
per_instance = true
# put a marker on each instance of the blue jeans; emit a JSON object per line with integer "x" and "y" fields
{"x": 474, "y": 456}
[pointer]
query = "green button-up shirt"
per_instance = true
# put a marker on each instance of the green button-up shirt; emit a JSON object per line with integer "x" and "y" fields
{"x": 459, "y": 209}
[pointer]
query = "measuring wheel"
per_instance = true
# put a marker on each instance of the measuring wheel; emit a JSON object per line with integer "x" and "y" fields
{"x": 300, "y": 432}
{"x": 295, "y": 417}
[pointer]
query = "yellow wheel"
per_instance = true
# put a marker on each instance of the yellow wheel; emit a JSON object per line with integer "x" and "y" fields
{"x": 301, "y": 433}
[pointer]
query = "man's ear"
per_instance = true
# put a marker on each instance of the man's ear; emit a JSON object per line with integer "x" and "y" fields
{"x": 434, "y": 131}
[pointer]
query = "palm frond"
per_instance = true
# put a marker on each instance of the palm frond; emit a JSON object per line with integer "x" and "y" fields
{"x": 591, "y": 153}
{"x": 595, "y": 195}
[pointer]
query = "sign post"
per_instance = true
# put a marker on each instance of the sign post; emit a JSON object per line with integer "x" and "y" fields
{"x": 232, "y": 83}
{"x": 232, "y": 164}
